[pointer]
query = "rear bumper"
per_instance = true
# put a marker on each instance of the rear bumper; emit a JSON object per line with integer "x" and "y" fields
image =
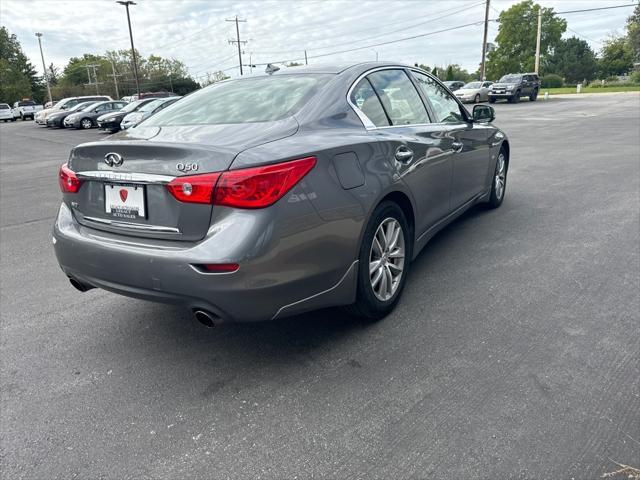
{"x": 277, "y": 276}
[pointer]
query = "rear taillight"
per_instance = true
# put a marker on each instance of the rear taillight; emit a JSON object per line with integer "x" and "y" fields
{"x": 256, "y": 187}
{"x": 69, "y": 182}
{"x": 194, "y": 188}
{"x": 260, "y": 187}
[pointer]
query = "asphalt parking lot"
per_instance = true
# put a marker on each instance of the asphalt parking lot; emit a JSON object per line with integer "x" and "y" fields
{"x": 514, "y": 353}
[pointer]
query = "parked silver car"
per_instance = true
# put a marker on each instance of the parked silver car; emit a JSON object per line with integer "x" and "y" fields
{"x": 267, "y": 196}
{"x": 474, "y": 92}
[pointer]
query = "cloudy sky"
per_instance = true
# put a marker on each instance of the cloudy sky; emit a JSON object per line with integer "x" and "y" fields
{"x": 195, "y": 31}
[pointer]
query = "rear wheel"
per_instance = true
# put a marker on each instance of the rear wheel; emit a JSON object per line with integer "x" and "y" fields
{"x": 499, "y": 183}
{"x": 492, "y": 100}
{"x": 86, "y": 123}
{"x": 384, "y": 260}
{"x": 533, "y": 96}
{"x": 477, "y": 98}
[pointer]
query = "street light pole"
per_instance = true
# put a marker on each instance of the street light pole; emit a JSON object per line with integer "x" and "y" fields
{"x": 133, "y": 50}
{"x": 538, "y": 35}
{"x": 44, "y": 66}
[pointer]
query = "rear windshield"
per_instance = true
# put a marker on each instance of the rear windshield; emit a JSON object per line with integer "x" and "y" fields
{"x": 4, "y": 106}
{"x": 26, "y": 104}
{"x": 511, "y": 78}
{"x": 260, "y": 99}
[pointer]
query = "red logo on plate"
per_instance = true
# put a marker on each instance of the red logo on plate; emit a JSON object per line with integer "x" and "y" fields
{"x": 123, "y": 195}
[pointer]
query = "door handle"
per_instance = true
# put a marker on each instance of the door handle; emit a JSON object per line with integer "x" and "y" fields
{"x": 457, "y": 146}
{"x": 404, "y": 154}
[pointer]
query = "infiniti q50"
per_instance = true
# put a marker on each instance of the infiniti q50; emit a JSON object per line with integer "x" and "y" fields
{"x": 266, "y": 196}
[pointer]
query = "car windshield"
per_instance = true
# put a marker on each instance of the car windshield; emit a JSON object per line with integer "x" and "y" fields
{"x": 258, "y": 99}
{"x": 80, "y": 106}
{"x": 151, "y": 106}
{"x": 473, "y": 85}
{"x": 4, "y": 106}
{"x": 26, "y": 103}
{"x": 510, "y": 79}
{"x": 89, "y": 106}
{"x": 133, "y": 106}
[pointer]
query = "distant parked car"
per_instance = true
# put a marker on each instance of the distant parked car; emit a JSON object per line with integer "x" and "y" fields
{"x": 474, "y": 92}
{"x": 454, "y": 85}
{"x": 134, "y": 118}
{"x": 111, "y": 121}
{"x": 66, "y": 104}
{"x": 515, "y": 85}
{"x": 26, "y": 109}
{"x": 6, "y": 113}
{"x": 88, "y": 116}
{"x": 56, "y": 119}
{"x": 144, "y": 95}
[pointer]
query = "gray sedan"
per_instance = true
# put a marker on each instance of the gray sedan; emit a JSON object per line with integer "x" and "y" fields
{"x": 262, "y": 197}
{"x": 474, "y": 92}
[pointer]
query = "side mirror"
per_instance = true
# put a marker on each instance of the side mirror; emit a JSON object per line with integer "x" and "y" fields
{"x": 483, "y": 114}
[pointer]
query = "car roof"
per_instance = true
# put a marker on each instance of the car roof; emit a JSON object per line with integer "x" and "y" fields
{"x": 328, "y": 68}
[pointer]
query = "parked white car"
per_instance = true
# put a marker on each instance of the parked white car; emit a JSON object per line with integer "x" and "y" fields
{"x": 474, "y": 92}
{"x": 26, "y": 109}
{"x": 6, "y": 113}
{"x": 66, "y": 104}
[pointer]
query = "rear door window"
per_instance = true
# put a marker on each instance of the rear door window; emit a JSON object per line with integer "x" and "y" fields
{"x": 399, "y": 97}
{"x": 364, "y": 97}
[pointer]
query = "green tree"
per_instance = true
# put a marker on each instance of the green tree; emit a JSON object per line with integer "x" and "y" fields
{"x": 516, "y": 38}
{"x": 435, "y": 72}
{"x": 616, "y": 57}
{"x": 633, "y": 33}
{"x": 573, "y": 60}
{"x": 422, "y": 66}
{"x": 18, "y": 78}
{"x": 450, "y": 73}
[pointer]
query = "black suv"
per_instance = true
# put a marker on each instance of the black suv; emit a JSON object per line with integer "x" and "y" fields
{"x": 515, "y": 85}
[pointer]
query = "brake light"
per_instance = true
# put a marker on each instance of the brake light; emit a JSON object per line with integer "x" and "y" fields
{"x": 255, "y": 187}
{"x": 69, "y": 182}
{"x": 194, "y": 188}
{"x": 259, "y": 187}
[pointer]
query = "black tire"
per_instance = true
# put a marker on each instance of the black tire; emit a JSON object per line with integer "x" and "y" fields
{"x": 492, "y": 100}
{"x": 476, "y": 98}
{"x": 496, "y": 198}
{"x": 368, "y": 306}
{"x": 533, "y": 96}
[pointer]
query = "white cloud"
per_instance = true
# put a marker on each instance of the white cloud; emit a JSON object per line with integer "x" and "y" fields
{"x": 195, "y": 31}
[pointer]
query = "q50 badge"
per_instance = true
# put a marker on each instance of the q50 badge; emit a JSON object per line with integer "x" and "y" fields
{"x": 187, "y": 167}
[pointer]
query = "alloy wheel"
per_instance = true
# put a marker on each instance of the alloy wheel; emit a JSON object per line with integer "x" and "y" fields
{"x": 500, "y": 177}
{"x": 386, "y": 259}
{"x": 86, "y": 123}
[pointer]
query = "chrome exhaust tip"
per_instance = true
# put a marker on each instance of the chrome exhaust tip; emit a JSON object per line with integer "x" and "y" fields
{"x": 207, "y": 319}
{"x": 83, "y": 287}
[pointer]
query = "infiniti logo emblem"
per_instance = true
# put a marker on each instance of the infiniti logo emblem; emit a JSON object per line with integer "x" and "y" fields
{"x": 113, "y": 159}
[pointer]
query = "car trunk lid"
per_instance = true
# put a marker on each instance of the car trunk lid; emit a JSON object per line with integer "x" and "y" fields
{"x": 124, "y": 180}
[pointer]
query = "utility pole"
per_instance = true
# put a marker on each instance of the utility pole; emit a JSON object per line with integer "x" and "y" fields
{"x": 237, "y": 40}
{"x": 44, "y": 66}
{"x": 133, "y": 50}
{"x": 305, "y": 58}
{"x": 537, "y": 67}
{"x": 95, "y": 77}
{"x": 115, "y": 80}
{"x": 484, "y": 43}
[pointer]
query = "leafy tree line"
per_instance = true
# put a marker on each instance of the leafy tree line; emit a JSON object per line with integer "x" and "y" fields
{"x": 18, "y": 78}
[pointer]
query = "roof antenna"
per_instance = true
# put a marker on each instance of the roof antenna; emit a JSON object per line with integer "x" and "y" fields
{"x": 271, "y": 69}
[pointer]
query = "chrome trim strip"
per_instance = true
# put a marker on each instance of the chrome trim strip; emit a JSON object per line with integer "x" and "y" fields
{"x": 284, "y": 307}
{"x": 133, "y": 226}
{"x": 368, "y": 124}
{"x": 143, "y": 178}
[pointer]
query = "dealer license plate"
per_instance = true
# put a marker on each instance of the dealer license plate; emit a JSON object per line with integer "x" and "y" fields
{"x": 124, "y": 201}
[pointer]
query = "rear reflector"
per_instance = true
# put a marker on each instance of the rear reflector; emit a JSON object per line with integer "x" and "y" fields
{"x": 255, "y": 187}
{"x": 219, "y": 267}
{"x": 260, "y": 187}
{"x": 194, "y": 188}
{"x": 69, "y": 182}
